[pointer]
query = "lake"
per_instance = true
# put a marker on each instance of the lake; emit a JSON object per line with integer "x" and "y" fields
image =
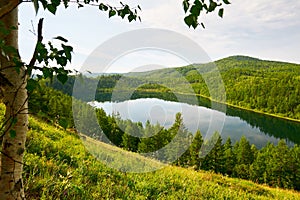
{"x": 259, "y": 129}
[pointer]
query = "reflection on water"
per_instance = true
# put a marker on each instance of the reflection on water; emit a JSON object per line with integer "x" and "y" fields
{"x": 259, "y": 129}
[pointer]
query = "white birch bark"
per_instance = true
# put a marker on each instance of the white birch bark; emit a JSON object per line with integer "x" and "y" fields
{"x": 15, "y": 99}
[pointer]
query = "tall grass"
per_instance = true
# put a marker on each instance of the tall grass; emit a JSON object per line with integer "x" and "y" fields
{"x": 58, "y": 166}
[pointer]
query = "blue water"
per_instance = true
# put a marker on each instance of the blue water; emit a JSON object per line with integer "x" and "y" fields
{"x": 258, "y": 129}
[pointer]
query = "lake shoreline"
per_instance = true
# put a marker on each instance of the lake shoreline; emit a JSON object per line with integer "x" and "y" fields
{"x": 227, "y": 104}
{"x": 258, "y": 128}
{"x": 243, "y": 108}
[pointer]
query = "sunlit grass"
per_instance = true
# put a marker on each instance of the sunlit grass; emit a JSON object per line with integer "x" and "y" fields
{"x": 58, "y": 166}
{"x": 120, "y": 159}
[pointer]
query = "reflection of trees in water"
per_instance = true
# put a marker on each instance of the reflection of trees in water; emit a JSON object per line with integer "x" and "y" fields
{"x": 271, "y": 126}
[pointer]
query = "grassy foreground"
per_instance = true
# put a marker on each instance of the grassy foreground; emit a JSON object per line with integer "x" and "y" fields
{"x": 58, "y": 166}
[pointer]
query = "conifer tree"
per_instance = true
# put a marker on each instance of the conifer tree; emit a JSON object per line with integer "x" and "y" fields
{"x": 244, "y": 158}
{"x": 180, "y": 142}
{"x": 214, "y": 160}
{"x": 229, "y": 158}
{"x": 129, "y": 139}
{"x": 195, "y": 150}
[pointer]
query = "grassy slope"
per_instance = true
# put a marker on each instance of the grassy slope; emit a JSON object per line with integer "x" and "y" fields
{"x": 58, "y": 166}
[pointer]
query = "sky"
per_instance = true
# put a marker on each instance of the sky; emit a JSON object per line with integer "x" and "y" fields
{"x": 265, "y": 29}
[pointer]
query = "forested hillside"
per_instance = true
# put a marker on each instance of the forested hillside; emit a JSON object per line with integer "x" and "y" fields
{"x": 277, "y": 166}
{"x": 272, "y": 87}
{"x": 265, "y": 86}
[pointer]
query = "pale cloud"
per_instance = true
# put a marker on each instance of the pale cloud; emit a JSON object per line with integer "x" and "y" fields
{"x": 244, "y": 17}
{"x": 167, "y": 15}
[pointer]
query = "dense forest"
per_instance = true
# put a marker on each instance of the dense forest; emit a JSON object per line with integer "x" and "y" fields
{"x": 277, "y": 166}
{"x": 272, "y": 87}
{"x": 265, "y": 86}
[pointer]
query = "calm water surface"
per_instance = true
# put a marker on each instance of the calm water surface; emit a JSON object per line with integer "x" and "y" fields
{"x": 259, "y": 129}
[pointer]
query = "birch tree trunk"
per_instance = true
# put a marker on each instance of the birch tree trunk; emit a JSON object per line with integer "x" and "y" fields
{"x": 15, "y": 98}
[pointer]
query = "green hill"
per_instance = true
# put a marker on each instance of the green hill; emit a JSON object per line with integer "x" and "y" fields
{"x": 269, "y": 87}
{"x": 58, "y": 166}
{"x": 241, "y": 57}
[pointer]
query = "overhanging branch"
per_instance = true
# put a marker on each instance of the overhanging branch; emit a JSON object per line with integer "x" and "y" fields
{"x": 39, "y": 40}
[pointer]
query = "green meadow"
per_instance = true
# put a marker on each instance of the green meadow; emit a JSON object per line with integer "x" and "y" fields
{"x": 58, "y": 166}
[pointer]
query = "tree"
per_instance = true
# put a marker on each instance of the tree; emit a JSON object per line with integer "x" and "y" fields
{"x": 14, "y": 97}
{"x": 195, "y": 150}
{"x": 116, "y": 133}
{"x": 130, "y": 139}
{"x": 258, "y": 169}
{"x": 147, "y": 143}
{"x": 229, "y": 158}
{"x": 280, "y": 166}
{"x": 214, "y": 160}
{"x": 295, "y": 166}
{"x": 181, "y": 140}
{"x": 16, "y": 82}
{"x": 244, "y": 157}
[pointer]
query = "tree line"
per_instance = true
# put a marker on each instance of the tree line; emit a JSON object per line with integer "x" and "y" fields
{"x": 275, "y": 165}
{"x": 267, "y": 86}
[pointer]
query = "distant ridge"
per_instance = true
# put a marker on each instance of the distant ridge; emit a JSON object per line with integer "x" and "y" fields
{"x": 248, "y": 58}
{"x": 242, "y": 58}
{"x": 229, "y": 58}
{"x": 94, "y": 75}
